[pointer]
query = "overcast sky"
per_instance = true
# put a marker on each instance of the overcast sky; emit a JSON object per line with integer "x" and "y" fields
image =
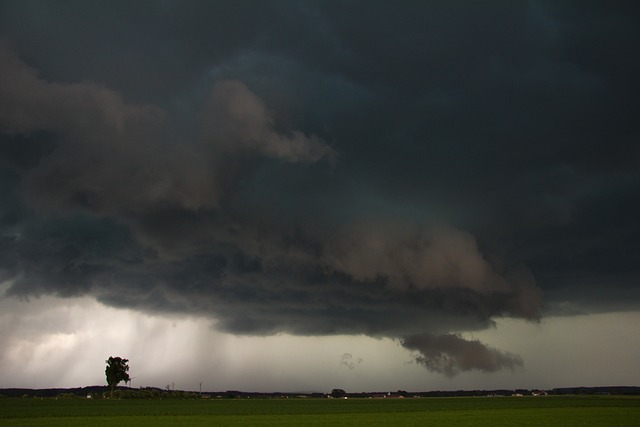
{"x": 304, "y": 195}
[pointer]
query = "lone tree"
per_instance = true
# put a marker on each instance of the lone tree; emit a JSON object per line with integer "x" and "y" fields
{"x": 116, "y": 371}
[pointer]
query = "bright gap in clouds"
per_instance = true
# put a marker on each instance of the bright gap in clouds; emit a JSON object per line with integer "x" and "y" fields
{"x": 64, "y": 343}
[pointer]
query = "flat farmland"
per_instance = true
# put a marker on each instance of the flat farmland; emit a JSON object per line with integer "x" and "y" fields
{"x": 458, "y": 411}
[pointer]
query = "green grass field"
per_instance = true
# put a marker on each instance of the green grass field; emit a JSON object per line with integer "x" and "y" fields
{"x": 457, "y": 411}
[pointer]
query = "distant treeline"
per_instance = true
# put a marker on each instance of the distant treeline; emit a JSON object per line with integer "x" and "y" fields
{"x": 102, "y": 392}
{"x": 99, "y": 392}
{"x": 614, "y": 390}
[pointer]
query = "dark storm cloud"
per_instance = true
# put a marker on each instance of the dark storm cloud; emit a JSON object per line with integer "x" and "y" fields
{"x": 410, "y": 171}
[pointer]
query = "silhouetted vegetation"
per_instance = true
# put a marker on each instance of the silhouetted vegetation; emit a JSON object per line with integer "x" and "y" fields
{"x": 103, "y": 392}
{"x": 116, "y": 371}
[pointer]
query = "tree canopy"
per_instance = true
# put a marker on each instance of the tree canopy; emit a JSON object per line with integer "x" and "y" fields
{"x": 116, "y": 371}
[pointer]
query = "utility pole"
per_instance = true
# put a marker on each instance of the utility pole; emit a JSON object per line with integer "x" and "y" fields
{"x": 200, "y": 388}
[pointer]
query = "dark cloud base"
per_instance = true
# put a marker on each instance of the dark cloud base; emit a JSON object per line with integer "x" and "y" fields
{"x": 450, "y": 354}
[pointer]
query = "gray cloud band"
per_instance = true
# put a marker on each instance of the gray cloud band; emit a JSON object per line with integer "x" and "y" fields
{"x": 450, "y": 354}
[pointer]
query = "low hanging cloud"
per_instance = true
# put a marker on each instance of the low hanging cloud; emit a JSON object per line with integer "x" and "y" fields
{"x": 450, "y": 354}
{"x": 430, "y": 258}
{"x": 410, "y": 256}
